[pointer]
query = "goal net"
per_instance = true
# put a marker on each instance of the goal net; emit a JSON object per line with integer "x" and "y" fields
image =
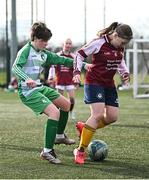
{"x": 137, "y": 60}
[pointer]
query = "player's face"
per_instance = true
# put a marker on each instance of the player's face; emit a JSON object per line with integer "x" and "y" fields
{"x": 119, "y": 42}
{"x": 67, "y": 45}
{"x": 40, "y": 44}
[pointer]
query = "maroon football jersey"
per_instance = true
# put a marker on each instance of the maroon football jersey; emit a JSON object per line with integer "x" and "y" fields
{"x": 64, "y": 74}
{"x": 105, "y": 61}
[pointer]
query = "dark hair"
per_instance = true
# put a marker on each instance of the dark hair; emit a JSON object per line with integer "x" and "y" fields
{"x": 40, "y": 31}
{"x": 123, "y": 30}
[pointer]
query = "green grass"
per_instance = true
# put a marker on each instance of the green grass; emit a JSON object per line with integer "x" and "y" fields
{"x": 3, "y": 78}
{"x": 21, "y": 140}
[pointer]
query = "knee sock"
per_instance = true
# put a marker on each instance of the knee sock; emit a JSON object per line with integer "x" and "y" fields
{"x": 62, "y": 122}
{"x": 86, "y": 136}
{"x": 50, "y": 133}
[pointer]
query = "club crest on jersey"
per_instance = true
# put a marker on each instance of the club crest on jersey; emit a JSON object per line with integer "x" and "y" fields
{"x": 116, "y": 101}
{"x": 42, "y": 56}
{"x": 44, "y": 100}
{"x": 99, "y": 96}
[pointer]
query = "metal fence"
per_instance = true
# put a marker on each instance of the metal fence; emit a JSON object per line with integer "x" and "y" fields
{"x": 16, "y": 18}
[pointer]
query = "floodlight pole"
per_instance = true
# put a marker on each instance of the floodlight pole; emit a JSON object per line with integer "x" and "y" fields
{"x": 14, "y": 40}
{"x": 32, "y": 12}
{"x": 44, "y": 11}
{"x": 104, "y": 13}
{"x": 7, "y": 49}
{"x": 84, "y": 21}
{"x": 36, "y": 10}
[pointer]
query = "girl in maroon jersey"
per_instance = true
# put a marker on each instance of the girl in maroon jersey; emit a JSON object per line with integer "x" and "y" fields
{"x": 100, "y": 92}
{"x": 64, "y": 75}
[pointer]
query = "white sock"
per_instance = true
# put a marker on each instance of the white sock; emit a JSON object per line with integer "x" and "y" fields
{"x": 45, "y": 150}
{"x": 60, "y": 136}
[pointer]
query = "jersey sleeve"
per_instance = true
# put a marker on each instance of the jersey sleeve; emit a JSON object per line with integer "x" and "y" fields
{"x": 122, "y": 68}
{"x": 55, "y": 59}
{"x": 91, "y": 48}
{"x": 19, "y": 62}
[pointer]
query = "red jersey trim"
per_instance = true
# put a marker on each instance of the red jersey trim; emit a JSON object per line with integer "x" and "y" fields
{"x": 82, "y": 53}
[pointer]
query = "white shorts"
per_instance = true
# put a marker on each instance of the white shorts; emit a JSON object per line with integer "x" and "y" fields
{"x": 67, "y": 88}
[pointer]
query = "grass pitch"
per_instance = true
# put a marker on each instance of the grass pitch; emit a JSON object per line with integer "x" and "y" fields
{"x": 21, "y": 140}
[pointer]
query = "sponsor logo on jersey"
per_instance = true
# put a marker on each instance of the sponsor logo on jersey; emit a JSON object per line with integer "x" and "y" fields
{"x": 34, "y": 56}
{"x": 107, "y": 53}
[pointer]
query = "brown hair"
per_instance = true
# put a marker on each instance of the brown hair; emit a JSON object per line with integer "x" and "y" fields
{"x": 40, "y": 31}
{"x": 123, "y": 30}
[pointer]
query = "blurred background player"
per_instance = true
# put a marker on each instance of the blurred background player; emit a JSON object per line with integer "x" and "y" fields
{"x": 99, "y": 90}
{"x": 64, "y": 75}
{"x": 13, "y": 85}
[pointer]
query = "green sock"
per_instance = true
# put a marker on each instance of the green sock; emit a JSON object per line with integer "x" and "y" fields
{"x": 62, "y": 122}
{"x": 50, "y": 133}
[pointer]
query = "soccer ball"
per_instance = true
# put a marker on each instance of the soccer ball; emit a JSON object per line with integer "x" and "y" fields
{"x": 97, "y": 150}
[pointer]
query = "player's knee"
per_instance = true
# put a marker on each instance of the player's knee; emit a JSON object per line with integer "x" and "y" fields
{"x": 112, "y": 118}
{"x": 55, "y": 114}
{"x": 97, "y": 116}
{"x": 67, "y": 106}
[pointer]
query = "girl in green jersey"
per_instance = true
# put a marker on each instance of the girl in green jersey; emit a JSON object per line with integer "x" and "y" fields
{"x": 29, "y": 63}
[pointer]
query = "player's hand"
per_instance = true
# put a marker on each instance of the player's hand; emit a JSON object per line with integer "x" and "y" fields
{"x": 88, "y": 67}
{"x": 31, "y": 83}
{"x": 126, "y": 78}
{"x": 77, "y": 79}
{"x": 51, "y": 82}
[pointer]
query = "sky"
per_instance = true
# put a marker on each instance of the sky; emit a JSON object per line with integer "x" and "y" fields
{"x": 66, "y": 18}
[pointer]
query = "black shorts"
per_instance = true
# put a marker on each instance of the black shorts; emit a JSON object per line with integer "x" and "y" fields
{"x": 97, "y": 94}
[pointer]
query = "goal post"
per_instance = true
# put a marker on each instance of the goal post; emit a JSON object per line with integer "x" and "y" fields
{"x": 139, "y": 55}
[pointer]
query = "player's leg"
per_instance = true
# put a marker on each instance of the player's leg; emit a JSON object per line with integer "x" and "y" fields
{"x": 112, "y": 107}
{"x": 39, "y": 103}
{"x": 71, "y": 95}
{"x": 50, "y": 134}
{"x": 64, "y": 105}
{"x": 60, "y": 89}
{"x": 95, "y": 96}
{"x": 88, "y": 130}
{"x": 110, "y": 114}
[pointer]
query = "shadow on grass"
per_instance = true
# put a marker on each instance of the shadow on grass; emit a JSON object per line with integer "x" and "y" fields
{"x": 22, "y": 148}
{"x": 124, "y": 167}
{"x": 115, "y": 167}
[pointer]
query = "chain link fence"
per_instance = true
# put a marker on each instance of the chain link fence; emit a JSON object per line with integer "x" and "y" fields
{"x": 24, "y": 19}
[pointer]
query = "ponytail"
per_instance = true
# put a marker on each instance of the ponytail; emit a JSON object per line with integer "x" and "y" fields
{"x": 123, "y": 30}
{"x": 108, "y": 30}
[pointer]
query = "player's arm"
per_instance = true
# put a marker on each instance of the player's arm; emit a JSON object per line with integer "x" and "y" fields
{"x": 124, "y": 72}
{"x": 55, "y": 59}
{"x": 18, "y": 64}
{"x": 84, "y": 52}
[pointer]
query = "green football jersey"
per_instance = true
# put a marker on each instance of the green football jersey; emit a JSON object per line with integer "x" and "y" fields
{"x": 29, "y": 63}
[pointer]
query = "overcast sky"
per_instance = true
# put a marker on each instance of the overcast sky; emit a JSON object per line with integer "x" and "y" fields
{"x": 65, "y": 18}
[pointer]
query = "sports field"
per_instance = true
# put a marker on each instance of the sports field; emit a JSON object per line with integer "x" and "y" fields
{"x": 21, "y": 140}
